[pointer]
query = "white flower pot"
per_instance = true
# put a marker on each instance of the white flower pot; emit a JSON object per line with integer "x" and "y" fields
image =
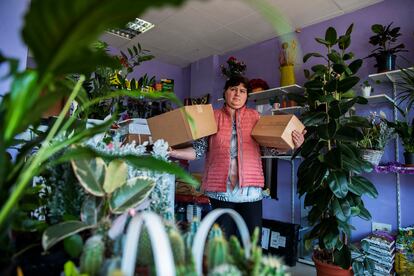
{"x": 366, "y": 91}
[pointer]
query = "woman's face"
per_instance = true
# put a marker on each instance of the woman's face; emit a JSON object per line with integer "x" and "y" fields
{"x": 236, "y": 96}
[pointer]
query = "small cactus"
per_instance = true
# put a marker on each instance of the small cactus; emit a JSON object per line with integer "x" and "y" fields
{"x": 177, "y": 246}
{"x": 144, "y": 256}
{"x": 189, "y": 236}
{"x": 217, "y": 248}
{"x": 225, "y": 270}
{"x": 272, "y": 266}
{"x": 93, "y": 255}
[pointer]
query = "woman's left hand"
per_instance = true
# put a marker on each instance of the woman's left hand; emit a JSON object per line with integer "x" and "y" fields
{"x": 298, "y": 138}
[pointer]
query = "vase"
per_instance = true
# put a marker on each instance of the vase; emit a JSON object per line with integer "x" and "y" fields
{"x": 324, "y": 269}
{"x": 366, "y": 91}
{"x": 287, "y": 75}
{"x": 385, "y": 62}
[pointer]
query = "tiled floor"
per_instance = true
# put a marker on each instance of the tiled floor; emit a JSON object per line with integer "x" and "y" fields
{"x": 302, "y": 270}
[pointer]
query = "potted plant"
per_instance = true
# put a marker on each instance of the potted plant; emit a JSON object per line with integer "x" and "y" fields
{"x": 405, "y": 131}
{"x": 376, "y": 137}
{"x": 329, "y": 176}
{"x": 234, "y": 68}
{"x": 384, "y": 38}
{"x": 366, "y": 89}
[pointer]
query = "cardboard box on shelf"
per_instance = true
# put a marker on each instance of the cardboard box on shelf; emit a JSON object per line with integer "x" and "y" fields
{"x": 276, "y": 131}
{"x": 135, "y": 130}
{"x": 175, "y": 127}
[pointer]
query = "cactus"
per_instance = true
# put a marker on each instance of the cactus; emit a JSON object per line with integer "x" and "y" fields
{"x": 177, "y": 246}
{"x": 217, "y": 248}
{"x": 145, "y": 257}
{"x": 225, "y": 270}
{"x": 256, "y": 253}
{"x": 272, "y": 266}
{"x": 93, "y": 255}
{"x": 189, "y": 236}
{"x": 237, "y": 254}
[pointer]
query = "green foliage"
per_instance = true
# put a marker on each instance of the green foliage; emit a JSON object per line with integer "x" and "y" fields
{"x": 405, "y": 131}
{"x": 406, "y": 87}
{"x": 217, "y": 248}
{"x": 329, "y": 152}
{"x": 177, "y": 246}
{"x": 384, "y": 38}
{"x": 73, "y": 245}
{"x": 377, "y": 135}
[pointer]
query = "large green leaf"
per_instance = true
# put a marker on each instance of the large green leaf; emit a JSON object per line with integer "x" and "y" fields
{"x": 338, "y": 183}
{"x": 327, "y": 131}
{"x": 349, "y": 134}
{"x": 307, "y": 56}
{"x": 316, "y": 118}
{"x": 355, "y": 65}
{"x": 359, "y": 185}
{"x": 347, "y": 83}
{"x": 364, "y": 213}
{"x": 331, "y": 35}
{"x": 59, "y": 33}
{"x": 91, "y": 174}
{"x": 341, "y": 208}
{"x": 131, "y": 194}
{"x": 58, "y": 232}
{"x": 116, "y": 175}
{"x": 342, "y": 257}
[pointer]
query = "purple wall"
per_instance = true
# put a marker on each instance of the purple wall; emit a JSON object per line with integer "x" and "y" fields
{"x": 262, "y": 62}
{"x": 11, "y": 44}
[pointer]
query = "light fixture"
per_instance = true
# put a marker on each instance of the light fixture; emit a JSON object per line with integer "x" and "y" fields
{"x": 132, "y": 29}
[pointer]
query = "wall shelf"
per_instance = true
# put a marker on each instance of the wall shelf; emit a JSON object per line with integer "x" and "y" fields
{"x": 390, "y": 76}
{"x": 263, "y": 97}
{"x": 379, "y": 99}
{"x": 290, "y": 109}
{"x": 394, "y": 168}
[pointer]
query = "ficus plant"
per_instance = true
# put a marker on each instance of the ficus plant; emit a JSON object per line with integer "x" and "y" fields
{"x": 329, "y": 176}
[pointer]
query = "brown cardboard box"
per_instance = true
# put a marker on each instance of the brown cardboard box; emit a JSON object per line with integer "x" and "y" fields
{"x": 176, "y": 129}
{"x": 276, "y": 131}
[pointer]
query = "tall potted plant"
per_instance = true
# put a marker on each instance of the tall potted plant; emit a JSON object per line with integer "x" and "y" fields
{"x": 384, "y": 38}
{"x": 329, "y": 176}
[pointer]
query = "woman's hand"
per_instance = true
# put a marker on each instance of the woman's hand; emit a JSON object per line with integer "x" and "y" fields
{"x": 298, "y": 138}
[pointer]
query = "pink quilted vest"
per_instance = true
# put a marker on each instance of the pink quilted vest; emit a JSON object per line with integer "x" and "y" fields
{"x": 218, "y": 156}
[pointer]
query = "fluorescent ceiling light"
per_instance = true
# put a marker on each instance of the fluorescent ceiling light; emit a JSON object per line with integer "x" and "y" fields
{"x": 132, "y": 29}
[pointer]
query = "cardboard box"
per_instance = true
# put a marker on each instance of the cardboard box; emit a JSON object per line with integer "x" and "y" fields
{"x": 176, "y": 129}
{"x": 276, "y": 131}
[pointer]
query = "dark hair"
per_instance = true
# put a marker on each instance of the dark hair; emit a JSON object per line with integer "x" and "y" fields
{"x": 235, "y": 81}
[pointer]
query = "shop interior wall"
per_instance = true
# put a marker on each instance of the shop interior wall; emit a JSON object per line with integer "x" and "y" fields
{"x": 262, "y": 62}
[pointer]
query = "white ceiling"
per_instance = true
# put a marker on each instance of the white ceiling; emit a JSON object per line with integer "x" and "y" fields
{"x": 202, "y": 28}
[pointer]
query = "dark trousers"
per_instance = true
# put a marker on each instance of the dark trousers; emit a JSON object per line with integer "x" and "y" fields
{"x": 251, "y": 212}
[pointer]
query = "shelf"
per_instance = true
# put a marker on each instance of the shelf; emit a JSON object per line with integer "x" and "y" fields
{"x": 390, "y": 76}
{"x": 380, "y": 98}
{"x": 394, "y": 168}
{"x": 290, "y": 109}
{"x": 262, "y": 97}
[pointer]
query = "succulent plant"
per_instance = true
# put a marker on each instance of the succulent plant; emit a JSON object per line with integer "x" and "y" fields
{"x": 225, "y": 270}
{"x": 177, "y": 246}
{"x": 92, "y": 256}
{"x": 217, "y": 248}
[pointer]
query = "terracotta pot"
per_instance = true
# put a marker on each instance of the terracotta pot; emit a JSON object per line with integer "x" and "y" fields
{"x": 324, "y": 269}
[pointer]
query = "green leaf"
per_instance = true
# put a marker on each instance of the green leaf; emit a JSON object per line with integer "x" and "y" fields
{"x": 319, "y": 68}
{"x": 348, "y": 56}
{"x": 342, "y": 209}
{"x": 331, "y": 36}
{"x": 349, "y": 30}
{"x": 73, "y": 245}
{"x": 22, "y": 97}
{"x": 131, "y": 194}
{"x": 338, "y": 183}
{"x": 344, "y": 41}
{"x": 91, "y": 210}
{"x": 322, "y": 41}
{"x": 91, "y": 174}
{"x": 348, "y": 134}
{"x": 330, "y": 240}
{"x": 58, "y": 232}
{"x": 333, "y": 159}
{"x": 307, "y": 56}
{"x": 359, "y": 185}
{"x": 358, "y": 268}
{"x": 115, "y": 176}
{"x": 347, "y": 83}
{"x": 327, "y": 131}
{"x": 364, "y": 213}
{"x": 339, "y": 68}
{"x": 342, "y": 257}
{"x": 357, "y": 121}
{"x": 334, "y": 57}
{"x": 355, "y": 65}
{"x": 314, "y": 118}
{"x": 377, "y": 28}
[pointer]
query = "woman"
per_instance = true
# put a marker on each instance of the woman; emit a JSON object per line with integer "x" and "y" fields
{"x": 233, "y": 175}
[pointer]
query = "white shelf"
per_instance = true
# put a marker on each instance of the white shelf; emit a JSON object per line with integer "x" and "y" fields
{"x": 262, "y": 97}
{"x": 390, "y": 76}
{"x": 380, "y": 98}
{"x": 290, "y": 109}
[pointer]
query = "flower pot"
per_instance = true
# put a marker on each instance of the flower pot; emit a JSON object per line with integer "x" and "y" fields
{"x": 366, "y": 91}
{"x": 372, "y": 156}
{"x": 385, "y": 62}
{"x": 287, "y": 75}
{"x": 409, "y": 158}
{"x": 324, "y": 269}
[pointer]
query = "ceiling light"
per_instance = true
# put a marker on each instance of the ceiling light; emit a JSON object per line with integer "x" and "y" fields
{"x": 132, "y": 29}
